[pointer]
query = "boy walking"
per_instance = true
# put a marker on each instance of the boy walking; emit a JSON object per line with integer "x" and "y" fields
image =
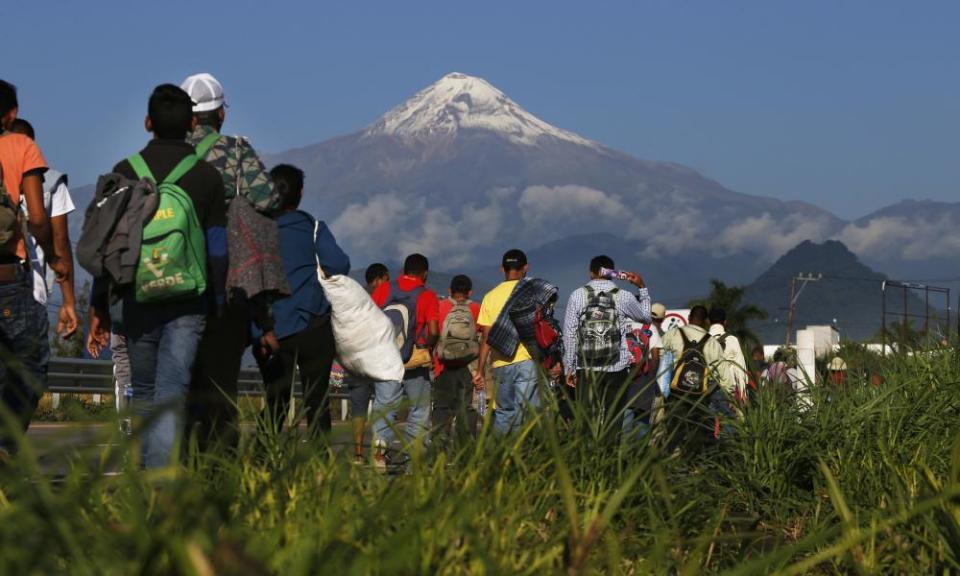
{"x": 301, "y": 320}
{"x": 163, "y": 334}
{"x": 407, "y": 298}
{"x": 457, "y": 347}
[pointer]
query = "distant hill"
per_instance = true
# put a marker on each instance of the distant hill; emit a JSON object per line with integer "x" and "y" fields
{"x": 849, "y": 293}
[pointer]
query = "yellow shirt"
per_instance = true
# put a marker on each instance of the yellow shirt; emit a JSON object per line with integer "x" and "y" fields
{"x": 492, "y": 305}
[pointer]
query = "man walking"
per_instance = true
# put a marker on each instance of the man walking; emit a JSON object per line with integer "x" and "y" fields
{"x": 516, "y": 377}
{"x": 301, "y": 320}
{"x": 732, "y": 373}
{"x": 24, "y": 348}
{"x": 414, "y": 308}
{"x": 596, "y": 356}
{"x": 58, "y": 204}
{"x": 213, "y": 396}
{"x": 695, "y": 355}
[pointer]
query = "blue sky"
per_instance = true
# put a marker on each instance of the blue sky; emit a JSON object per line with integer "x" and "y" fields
{"x": 851, "y": 105}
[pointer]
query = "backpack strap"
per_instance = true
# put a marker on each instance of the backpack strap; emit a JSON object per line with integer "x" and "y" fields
{"x": 140, "y": 167}
{"x": 206, "y": 144}
{"x": 182, "y": 168}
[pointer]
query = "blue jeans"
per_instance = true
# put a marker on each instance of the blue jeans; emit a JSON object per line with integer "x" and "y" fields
{"x": 387, "y": 398}
{"x": 517, "y": 391}
{"x": 24, "y": 352}
{"x": 162, "y": 346}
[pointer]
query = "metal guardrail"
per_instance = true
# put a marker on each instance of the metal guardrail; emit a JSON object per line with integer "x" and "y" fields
{"x": 80, "y": 376}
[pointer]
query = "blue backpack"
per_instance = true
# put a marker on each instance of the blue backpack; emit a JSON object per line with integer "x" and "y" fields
{"x": 401, "y": 309}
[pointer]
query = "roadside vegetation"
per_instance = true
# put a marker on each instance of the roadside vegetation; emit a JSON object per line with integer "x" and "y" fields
{"x": 867, "y": 481}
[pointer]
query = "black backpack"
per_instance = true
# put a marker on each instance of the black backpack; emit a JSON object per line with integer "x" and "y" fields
{"x": 599, "y": 335}
{"x": 691, "y": 374}
{"x": 401, "y": 309}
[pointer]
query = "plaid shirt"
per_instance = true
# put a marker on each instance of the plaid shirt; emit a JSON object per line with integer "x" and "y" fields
{"x": 243, "y": 172}
{"x": 515, "y": 322}
{"x": 629, "y": 307}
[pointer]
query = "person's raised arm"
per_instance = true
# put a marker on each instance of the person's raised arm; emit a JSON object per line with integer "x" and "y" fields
{"x": 638, "y": 308}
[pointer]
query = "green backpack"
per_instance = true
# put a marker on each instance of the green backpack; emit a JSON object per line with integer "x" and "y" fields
{"x": 173, "y": 252}
{"x": 9, "y": 221}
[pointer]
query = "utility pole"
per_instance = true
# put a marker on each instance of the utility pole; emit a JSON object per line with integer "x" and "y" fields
{"x": 795, "y": 292}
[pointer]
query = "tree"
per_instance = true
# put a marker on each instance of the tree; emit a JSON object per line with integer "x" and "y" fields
{"x": 739, "y": 315}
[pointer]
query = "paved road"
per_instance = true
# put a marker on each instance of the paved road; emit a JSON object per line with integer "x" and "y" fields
{"x": 58, "y": 444}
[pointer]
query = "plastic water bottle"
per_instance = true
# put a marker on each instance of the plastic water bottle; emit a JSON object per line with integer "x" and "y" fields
{"x": 124, "y": 403}
{"x": 665, "y": 372}
{"x": 480, "y": 396}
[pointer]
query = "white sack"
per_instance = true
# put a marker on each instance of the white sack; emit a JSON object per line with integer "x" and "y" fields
{"x": 366, "y": 343}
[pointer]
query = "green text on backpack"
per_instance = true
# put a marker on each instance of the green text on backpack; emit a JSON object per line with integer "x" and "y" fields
{"x": 173, "y": 253}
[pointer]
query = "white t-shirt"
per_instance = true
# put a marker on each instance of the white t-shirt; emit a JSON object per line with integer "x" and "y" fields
{"x": 57, "y": 202}
{"x": 656, "y": 342}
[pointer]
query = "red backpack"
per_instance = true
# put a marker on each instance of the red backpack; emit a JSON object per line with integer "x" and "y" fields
{"x": 638, "y": 344}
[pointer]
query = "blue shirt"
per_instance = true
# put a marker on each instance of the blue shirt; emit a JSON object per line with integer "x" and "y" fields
{"x": 300, "y": 253}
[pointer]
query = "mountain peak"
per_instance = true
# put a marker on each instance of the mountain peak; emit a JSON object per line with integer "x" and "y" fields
{"x": 462, "y": 102}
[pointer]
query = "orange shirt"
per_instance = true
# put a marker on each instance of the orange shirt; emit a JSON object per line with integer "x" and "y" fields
{"x": 19, "y": 155}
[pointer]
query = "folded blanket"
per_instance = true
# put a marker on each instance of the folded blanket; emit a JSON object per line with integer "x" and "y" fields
{"x": 515, "y": 324}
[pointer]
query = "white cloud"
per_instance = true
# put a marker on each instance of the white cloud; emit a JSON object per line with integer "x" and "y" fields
{"x": 771, "y": 237}
{"x": 571, "y": 209}
{"x": 909, "y": 239}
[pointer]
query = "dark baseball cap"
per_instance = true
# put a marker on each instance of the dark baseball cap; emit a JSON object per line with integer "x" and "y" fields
{"x": 514, "y": 259}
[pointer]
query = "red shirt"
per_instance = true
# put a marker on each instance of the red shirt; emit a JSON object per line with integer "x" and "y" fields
{"x": 427, "y": 304}
{"x": 446, "y": 305}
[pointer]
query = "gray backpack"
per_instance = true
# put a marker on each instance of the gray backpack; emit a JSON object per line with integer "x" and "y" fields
{"x": 458, "y": 335}
{"x": 599, "y": 335}
{"x": 8, "y": 219}
{"x": 109, "y": 245}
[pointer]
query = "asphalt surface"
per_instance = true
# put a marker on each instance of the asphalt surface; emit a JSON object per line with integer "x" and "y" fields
{"x": 58, "y": 445}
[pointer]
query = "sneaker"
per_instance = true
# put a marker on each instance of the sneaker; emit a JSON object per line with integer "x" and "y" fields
{"x": 395, "y": 461}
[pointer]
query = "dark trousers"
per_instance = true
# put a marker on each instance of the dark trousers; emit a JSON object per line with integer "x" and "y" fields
{"x": 604, "y": 395}
{"x": 312, "y": 351}
{"x": 453, "y": 414}
{"x": 692, "y": 420}
{"x": 24, "y": 353}
{"x": 212, "y": 402}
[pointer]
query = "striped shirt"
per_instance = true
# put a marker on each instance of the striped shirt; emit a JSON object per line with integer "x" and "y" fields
{"x": 629, "y": 307}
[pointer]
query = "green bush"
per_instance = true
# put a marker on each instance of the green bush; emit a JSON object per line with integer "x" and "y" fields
{"x": 868, "y": 481}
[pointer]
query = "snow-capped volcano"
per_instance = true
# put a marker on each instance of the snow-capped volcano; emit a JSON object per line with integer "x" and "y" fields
{"x": 460, "y": 102}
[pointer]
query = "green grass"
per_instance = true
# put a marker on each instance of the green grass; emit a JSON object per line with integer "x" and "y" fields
{"x": 868, "y": 481}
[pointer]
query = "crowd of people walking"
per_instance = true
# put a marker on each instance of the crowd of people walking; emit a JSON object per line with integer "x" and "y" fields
{"x": 199, "y": 253}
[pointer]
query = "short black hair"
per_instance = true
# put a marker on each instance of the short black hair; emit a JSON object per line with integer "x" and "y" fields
{"x": 461, "y": 284}
{"x": 698, "y": 314}
{"x": 288, "y": 183}
{"x": 416, "y": 264}
{"x": 718, "y": 315}
{"x": 513, "y": 259}
{"x": 374, "y": 271}
{"x": 171, "y": 112}
{"x": 601, "y": 261}
{"x": 209, "y": 118}
{"x": 21, "y": 126}
{"x": 8, "y": 97}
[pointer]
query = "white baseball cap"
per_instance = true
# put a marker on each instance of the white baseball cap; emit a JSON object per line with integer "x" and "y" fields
{"x": 205, "y": 91}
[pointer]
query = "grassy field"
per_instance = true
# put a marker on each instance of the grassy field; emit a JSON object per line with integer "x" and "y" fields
{"x": 868, "y": 481}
